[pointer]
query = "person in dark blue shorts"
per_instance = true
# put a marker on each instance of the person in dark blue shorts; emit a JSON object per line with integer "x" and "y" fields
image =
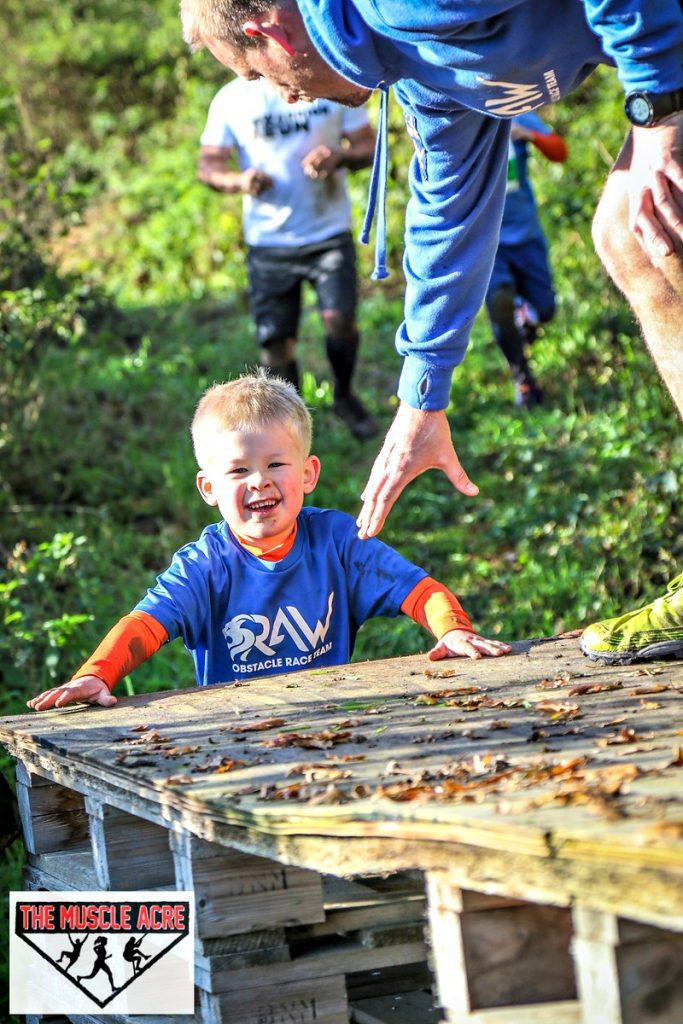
{"x": 521, "y": 294}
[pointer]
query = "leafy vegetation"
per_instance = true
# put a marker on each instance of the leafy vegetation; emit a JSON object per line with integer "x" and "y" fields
{"x": 122, "y": 297}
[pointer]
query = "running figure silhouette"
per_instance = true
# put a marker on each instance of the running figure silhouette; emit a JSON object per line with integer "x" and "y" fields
{"x": 100, "y": 947}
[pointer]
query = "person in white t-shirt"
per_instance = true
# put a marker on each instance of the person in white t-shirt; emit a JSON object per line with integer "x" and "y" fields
{"x": 293, "y": 160}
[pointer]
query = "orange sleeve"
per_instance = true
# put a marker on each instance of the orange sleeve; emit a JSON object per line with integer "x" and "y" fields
{"x": 552, "y": 146}
{"x": 433, "y": 606}
{"x": 134, "y": 639}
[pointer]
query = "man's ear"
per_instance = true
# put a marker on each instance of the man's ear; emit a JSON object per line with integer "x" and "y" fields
{"x": 275, "y": 32}
{"x": 205, "y": 488}
{"x": 311, "y": 473}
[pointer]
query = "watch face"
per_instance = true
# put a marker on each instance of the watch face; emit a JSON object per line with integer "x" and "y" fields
{"x": 639, "y": 110}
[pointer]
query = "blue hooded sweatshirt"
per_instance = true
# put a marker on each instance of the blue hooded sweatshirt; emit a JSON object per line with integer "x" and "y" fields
{"x": 460, "y": 70}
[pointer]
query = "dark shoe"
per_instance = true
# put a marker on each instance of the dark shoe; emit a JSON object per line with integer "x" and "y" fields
{"x": 528, "y": 394}
{"x": 357, "y": 418}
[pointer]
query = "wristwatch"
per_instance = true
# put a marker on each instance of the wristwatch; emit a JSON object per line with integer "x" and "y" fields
{"x": 646, "y": 109}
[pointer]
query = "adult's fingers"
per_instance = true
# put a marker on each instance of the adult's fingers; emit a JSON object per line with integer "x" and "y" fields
{"x": 380, "y": 493}
{"x": 655, "y": 227}
{"x": 459, "y": 478}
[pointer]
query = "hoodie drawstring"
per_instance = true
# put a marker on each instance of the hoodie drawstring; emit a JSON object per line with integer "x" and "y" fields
{"x": 378, "y": 184}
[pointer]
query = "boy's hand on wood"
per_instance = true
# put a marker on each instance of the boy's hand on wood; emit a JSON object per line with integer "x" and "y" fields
{"x": 463, "y": 643}
{"x": 85, "y": 689}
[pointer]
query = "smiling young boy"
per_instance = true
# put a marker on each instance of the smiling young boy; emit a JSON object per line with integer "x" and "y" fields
{"x": 273, "y": 587}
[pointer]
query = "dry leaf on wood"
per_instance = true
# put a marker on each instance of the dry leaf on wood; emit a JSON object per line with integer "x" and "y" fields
{"x": 218, "y": 764}
{"x": 313, "y": 741}
{"x": 583, "y": 688}
{"x": 267, "y": 723}
{"x": 625, "y": 735}
{"x": 557, "y": 710}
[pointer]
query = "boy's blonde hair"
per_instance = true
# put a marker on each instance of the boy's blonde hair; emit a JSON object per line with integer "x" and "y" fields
{"x": 250, "y": 403}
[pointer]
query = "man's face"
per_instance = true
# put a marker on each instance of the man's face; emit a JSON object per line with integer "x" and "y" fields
{"x": 304, "y": 76}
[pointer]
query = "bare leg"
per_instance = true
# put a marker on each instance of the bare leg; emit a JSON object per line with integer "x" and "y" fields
{"x": 654, "y": 291}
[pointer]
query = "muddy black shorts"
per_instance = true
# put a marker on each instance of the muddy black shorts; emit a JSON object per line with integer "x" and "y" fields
{"x": 277, "y": 274}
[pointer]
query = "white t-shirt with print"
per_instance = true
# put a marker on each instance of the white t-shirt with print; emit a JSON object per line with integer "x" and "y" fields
{"x": 274, "y": 137}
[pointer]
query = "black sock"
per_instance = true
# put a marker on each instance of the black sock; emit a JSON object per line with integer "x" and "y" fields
{"x": 342, "y": 356}
{"x": 288, "y": 371}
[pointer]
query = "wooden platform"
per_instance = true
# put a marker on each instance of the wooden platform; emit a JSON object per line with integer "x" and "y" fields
{"x": 540, "y": 795}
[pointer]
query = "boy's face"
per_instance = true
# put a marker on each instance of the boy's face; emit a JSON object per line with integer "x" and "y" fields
{"x": 257, "y": 480}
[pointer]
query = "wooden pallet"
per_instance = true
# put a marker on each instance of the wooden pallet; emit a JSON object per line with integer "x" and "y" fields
{"x": 539, "y": 796}
{"x": 273, "y": 941}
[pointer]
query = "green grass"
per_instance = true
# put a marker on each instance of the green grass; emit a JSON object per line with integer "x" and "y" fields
{"x": 123, "y": 297}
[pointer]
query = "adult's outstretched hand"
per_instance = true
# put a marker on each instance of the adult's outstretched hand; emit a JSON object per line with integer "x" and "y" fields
{"x": 655, "y": 186}
{"x": 416, "y": 441}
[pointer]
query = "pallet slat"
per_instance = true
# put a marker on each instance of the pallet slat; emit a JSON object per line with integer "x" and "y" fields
{"x": 627, "y": 973}
{"x": 314, "y": 1001}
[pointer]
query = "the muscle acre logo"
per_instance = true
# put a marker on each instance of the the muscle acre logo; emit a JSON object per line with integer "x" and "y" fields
{"x": 85, "y": 952}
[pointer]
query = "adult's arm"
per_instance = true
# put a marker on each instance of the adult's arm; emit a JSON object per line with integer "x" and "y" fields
{"x": 453, "y": 218}
{"x": 646, "y": 41}
{"x": 213, "y": 169}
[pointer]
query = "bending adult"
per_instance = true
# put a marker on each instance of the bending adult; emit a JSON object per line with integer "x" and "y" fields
{"x": 461, "y": 69}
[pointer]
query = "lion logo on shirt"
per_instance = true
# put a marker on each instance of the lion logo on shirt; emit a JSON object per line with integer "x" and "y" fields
{"x": 245, "y": 632}
{"x": 241, "y": 637}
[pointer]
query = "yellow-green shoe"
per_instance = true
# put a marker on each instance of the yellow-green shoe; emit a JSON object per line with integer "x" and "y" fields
{"x": 655, "y": 631}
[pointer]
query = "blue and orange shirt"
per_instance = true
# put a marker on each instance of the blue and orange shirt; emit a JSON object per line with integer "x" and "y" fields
{"x": 241, "y": 615}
